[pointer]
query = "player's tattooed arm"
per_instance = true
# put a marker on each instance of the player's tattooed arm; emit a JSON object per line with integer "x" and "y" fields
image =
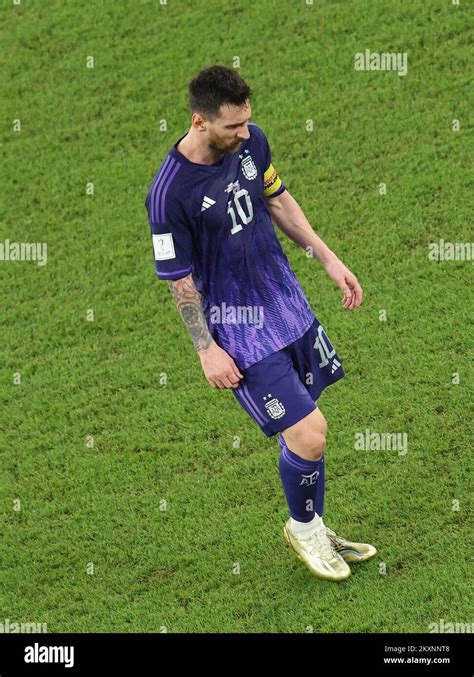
{"x": 218, "y": 366}
{"x": 188, "y": 303}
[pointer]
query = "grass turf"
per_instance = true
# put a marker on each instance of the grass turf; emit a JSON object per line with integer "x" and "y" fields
{"x": 165, "y": 505}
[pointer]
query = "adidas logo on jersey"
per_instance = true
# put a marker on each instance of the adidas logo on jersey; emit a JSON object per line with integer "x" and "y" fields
{"x": 206, "y": 203}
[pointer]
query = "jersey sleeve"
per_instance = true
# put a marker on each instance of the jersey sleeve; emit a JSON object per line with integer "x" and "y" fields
{"x": 272, "y": 184}
{"x": 171, "y": 234}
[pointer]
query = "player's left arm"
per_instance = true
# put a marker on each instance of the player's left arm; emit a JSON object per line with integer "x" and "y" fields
{"x": 289, "y": 217}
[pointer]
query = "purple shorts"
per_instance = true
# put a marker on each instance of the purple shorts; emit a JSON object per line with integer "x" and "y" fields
{"x": 282, "y": 388}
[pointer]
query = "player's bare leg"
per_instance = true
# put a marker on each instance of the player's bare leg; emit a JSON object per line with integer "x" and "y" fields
{"x": 307, "y": 437}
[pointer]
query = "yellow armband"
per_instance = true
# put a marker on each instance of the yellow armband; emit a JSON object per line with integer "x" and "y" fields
{"x": 271, "y": 181}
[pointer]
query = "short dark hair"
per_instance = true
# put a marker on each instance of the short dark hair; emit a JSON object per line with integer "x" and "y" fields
{"x": 215, "y": 86}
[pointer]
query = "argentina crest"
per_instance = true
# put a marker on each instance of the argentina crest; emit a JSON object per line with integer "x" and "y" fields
{"x": 275, "y": 408}
{"x": 249, "y": 169}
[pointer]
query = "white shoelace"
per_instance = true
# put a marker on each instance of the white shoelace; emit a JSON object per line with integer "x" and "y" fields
{"x": 317, "y": 542}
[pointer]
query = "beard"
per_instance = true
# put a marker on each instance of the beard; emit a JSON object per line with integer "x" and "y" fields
{"x": 218, "y": 146}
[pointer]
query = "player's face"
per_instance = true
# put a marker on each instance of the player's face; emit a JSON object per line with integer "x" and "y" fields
{"x": 226, "y": 133}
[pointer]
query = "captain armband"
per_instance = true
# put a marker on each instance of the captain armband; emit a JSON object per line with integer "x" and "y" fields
{"x": 271, "y": 181}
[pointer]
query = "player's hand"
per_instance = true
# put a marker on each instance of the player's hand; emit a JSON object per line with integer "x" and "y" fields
{"x": 347, "y": 281}
{"x": 219, "y": 367}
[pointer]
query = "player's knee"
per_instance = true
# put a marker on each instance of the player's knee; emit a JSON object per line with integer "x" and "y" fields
{"x": 317, "y": 445}
{"x": 310, "y": 446}
{"x": 321, "y": 424}
{"x": 325, "y": 429}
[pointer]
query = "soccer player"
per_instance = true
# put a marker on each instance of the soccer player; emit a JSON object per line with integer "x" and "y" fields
{"x": 210, "y": 207}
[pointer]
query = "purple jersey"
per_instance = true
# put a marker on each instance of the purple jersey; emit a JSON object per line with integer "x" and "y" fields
{"x": 212, "y": 221}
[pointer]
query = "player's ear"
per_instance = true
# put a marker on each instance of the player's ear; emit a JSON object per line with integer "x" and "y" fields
{"x": 198, "y": 122}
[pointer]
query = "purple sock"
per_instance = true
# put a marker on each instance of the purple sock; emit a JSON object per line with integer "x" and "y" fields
{"x": 320, "y": 484}
{"x": 303, "y": 482}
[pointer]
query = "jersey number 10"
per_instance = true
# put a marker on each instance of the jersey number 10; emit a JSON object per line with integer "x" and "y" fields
{"x": 246, "y": 218}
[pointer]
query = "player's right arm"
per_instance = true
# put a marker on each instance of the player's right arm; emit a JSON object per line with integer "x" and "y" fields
{"x": 174, "y": 253}
{"x": 218, "y": 366}
{"x": 188, "y": 303}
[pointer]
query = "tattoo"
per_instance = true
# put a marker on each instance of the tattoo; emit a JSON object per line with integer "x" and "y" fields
{"x": 188, "y": 303}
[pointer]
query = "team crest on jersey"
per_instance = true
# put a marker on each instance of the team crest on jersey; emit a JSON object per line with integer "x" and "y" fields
{"x": 275, "y": 408}
{"x": 249, "y": 169}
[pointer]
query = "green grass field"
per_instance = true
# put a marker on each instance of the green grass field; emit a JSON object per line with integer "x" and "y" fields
{"x": 142, "y": 531}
